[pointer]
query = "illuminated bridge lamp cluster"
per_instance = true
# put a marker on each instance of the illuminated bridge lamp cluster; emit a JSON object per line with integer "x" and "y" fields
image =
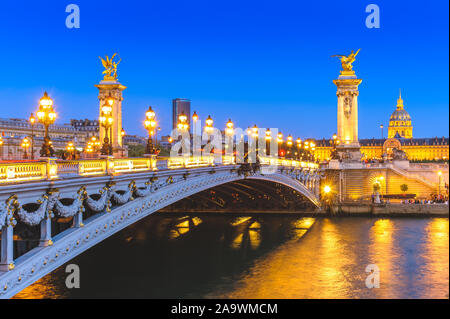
{"x": 229, "y": 130}
{"x": 25, "y": 145}
{"x": 47, "y": 116}
{"x": 150, "y": 124}
{"x": 106, "y": 121}
{"x": 209, "y": 124}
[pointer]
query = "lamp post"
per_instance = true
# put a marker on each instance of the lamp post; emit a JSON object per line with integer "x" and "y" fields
{"x": 289, "y": 144}
{"x": 71, "y": 149}
{"x": 183, "y": 128}
{"x": 280, "y": 143}
{"x": 381, "y": 127}
{"x": 25, "y": 144}
{"x": 254, "y": 132}
{"x": 313, "y": 148}
{"x": 106, "y": 121}
{"x": 1, "y": 148}
{"x": 209, "y": 124}
{"x": 122, "y": 134}
{"x": 194, "y": 121}
{"x": 32, "y": 122}
{"x": 229, "y": 132}
{"x": 150, "y": 125}
{"x": 439, "y": 185}
{"x": 268, "y": 138}
{"x": 299, "y": 146}
{"x": 47, "y": 116}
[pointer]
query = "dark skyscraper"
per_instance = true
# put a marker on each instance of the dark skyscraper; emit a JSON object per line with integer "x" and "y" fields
{"x": 180, "y": 106}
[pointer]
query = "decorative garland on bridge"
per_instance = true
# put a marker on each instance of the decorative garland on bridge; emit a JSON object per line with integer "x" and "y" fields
{"x": 45, "y": 210}
{"x": 74, "y": 208}
{"x": 126, "y": 196}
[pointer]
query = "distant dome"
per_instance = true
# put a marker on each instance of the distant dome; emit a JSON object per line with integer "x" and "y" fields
{"x": 400, "y": 123}
{"x": 400, "y": 115}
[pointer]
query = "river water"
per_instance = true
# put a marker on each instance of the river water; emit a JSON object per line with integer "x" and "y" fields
{"x": 264, "y": 256}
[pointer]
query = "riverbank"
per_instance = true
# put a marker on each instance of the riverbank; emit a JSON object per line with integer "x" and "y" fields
{"x": 341, "y": 209}
{"x": 423, "y": 210}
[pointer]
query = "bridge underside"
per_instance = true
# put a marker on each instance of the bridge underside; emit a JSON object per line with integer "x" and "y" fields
{"x": 249, "y": 195}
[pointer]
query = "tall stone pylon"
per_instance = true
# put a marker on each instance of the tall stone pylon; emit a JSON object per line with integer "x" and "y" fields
{"x": 347, "y": 115}
{"x": 110, "y": 87}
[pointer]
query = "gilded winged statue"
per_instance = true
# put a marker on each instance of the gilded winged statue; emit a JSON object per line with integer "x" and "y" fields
{"x": 347, "y": 60}
{"x": 110, "y": 66}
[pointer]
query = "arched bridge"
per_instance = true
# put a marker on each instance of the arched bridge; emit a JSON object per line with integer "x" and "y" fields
{"x": 66, "y": 207}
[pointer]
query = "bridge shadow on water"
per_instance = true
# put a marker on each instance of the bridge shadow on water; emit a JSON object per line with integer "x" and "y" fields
{"x": 173, "y": 255}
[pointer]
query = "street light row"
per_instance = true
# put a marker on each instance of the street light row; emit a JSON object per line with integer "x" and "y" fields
{"x": 47, "y": 116}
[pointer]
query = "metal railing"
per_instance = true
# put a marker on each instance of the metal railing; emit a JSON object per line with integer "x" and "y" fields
{"x": 268, "y": 160}
{"x": 25, "y": 171}
{"x": 14, "y": 172}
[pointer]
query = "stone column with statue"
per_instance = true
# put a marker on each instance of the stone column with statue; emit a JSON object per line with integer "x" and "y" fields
{"x": 110, "y": 95}
{"x": 348, "y": 148}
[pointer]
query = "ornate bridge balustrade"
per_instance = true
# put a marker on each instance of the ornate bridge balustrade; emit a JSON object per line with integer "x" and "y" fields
{"x": 15, "y": 172}
{"x": 46, "y": 223}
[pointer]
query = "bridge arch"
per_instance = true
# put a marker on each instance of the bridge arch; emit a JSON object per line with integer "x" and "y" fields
{"x": 169, "y": 188}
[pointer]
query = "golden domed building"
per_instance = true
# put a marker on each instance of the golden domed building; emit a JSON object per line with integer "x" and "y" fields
{"x": 400, "y": 122}
{"x": 400, "y": 137}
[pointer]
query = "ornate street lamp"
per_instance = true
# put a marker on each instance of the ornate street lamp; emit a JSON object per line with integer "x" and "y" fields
{"x": 289, "y": 143}
{"x": 280, "y": 143}
{"x": 106, "y": 121}
{"x": 194, "y": 117}
{"x": 122, "y": 134}
{"x": 229, "y": 133}
{"x": 150, "y": 125}
{"x": 209, "y": 124}
{"x": 1, "y": 148}
{"x": 255, "y": 132}
{"x": 47, "y": 116}
{"x": 229, "y": 130}
{"x": 25, "y": 144}
{"x": 299, "y": 146}
{"x": 71, "y": 149}
{"x": 32, "y": 122}
{"x": 194, "y": 121}
{"x": 268, "y": 138}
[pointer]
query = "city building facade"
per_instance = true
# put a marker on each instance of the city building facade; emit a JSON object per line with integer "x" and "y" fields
{"x": 400, "y": 137}
{"x": 13, "y": 131}
{"x": 180, "y": 106}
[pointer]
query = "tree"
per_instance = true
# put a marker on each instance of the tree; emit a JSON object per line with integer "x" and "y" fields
{"x": 404, "y": 188}
{"x": 136, "y": 150}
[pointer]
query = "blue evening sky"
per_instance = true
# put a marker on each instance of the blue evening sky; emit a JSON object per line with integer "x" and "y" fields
{"x": 258, "y": 62}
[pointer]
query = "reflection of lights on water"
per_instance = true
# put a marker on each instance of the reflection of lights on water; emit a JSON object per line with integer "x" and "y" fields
{"x": 43, "y": 288}
{"x": 255, "y": 238}
{"x": 183, "y": 227}
{"x": 382, "y": 230}
{"x": 236, "y": 243}
{"x": 183, "y": 224}
{"x": 255, "y": 225}
{"x": 298, "y": 233}
{"x": 196, "y": 221}
{"x": 306, "y": 222}
{"x": 439, "y": 228}
{"x": 239, "y": 220}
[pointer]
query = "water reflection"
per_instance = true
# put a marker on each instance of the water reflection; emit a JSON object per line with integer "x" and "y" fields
{"x": 435, "y": 268}
{"x": 381, "y": 254}
{"x": 224, "y": 256}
